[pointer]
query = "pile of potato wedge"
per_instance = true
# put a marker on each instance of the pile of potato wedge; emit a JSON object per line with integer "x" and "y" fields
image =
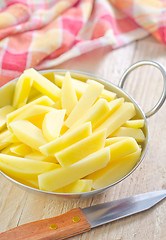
{"x": 63, "y": 135}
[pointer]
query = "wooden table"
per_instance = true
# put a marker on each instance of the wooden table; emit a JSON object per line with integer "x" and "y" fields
{"x": 145, "y": 85}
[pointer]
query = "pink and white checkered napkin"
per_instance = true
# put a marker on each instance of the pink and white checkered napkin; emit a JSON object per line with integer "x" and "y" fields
{"x": 43, "y": 34}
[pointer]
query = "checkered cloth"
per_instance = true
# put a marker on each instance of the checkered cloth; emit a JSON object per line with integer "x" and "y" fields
{"x": 45, "y": 33}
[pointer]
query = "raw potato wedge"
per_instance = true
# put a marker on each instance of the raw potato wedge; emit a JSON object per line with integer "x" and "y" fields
{"x": 44, "y": 100}
{"x": 131, "y": 132}
{"x": 95, "y": 114}
{"x": 81, "y": 86}
{"x": 114, "y": 171}
{"x": 67, "y": 139}
{"x": 33, "y": 95}
{"x": 88, "y": 185}
{"x": 81, "y": 149}
{"x": 78, "y": 85}
{"x": 3, "y": 113}
{"x": 139, "y": 123}
{"x": 122, "y": 148}
{"x": 16, "y": 172}
{"x": 29, "y": 182}
{"x": 21, "y": 149}
{"x": 27, "y": 133}
{"x": 113, "y": 106}
{"x": 36, "y": 155}
{"x": 11, "y": 139}
{"x": 108, "y": 95}
{"x": 68, "y": 96}
{"x": 22, "y": 89}
{"x": 6, "y": 150}
{"x": 3, "y": 136}
{"x": 28, "y": 165}
{"x": 86, "y": 101}
{"x": 49, "y": 76}
{"x": 33, "y": 111}
{"x": 8, "y": 91}
{"x": 119, "y": 117}
{"x": 43, "y": 85}
{"x": 52, "y": 124}
{"x": 53, "y": 180}
{"x": 113, "y": 140}
{"x": 37, "y": 120}
{"x": 57, "y": 105}
{"x": 79, "y": 186}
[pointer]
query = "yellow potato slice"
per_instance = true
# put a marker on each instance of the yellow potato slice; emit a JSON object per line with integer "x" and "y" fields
{"x": 68, "y": 96}
{"x": 86, "y": 101}
{"x": 57, "y": 105}
{"x": 21, "y": 149}
{"x": 22, "y": 89}
{"x": 16, "y": 173}
{"x": 64, "y": 129}
{"x": 78, "y": 85}
{"x": 6, "y": 150}
{"x": 3, "y": 113}
{"x": 7, "y": 90}
{"x": 79, "y": 186}
{"x": 49, "y": 76}
{"x": 114, "y": 171}
{"x": 113, "y": 140}
{"x": 138, "y": 123}
{"x": 80, "y": 88}
{"x": 27, "y": 133}
{"x": 108, "y": 95}
{"x": 36, "y": 155}
{"x": 27, "y": 164}
{"x": 130, "y": 132}
{"x": 37, "y": 120}
{"x": 3, "y": 136}
{"x": 122, "y": 148}
{"x": 44, "y": 100}
{"x": 119, "y": 117}
{"x": 11, "y": 139}
{"x": 33, "y": 95}
{"x": 68, "y": 139}
{"x": 95, "y": 114}
{"x": 23, "y": 174}
{"x": 52, "y": 124}
{"x": 29, "y": 182}
{"x": 33, "y": 111}
{"x": 53, "y": 180}
{"x": 81, "y": 149}
{"x": 113, "y": 106}
{"x": 88, "y": 185}
{"x": 43, "y": 85}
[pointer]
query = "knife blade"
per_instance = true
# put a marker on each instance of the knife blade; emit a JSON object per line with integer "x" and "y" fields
{"x": 78, "y": 220}
{"x": 107, "y": 212}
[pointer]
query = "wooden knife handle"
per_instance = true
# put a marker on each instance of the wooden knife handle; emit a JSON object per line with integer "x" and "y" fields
{"x": 64, "y": 226}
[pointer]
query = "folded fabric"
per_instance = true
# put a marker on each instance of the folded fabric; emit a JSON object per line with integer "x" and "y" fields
{"x": 43, "y": 34}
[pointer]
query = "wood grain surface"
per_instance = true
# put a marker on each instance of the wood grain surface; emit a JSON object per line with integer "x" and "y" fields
{"x": 145, "y": 85}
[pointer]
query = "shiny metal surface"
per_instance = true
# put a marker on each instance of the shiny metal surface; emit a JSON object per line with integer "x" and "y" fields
{"x": 107, "y": 212}
{"x": 109, "y": 86}
{"x": 162, "y": 70}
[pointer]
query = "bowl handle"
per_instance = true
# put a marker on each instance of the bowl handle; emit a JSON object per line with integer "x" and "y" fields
{"x": 162, "y": 70}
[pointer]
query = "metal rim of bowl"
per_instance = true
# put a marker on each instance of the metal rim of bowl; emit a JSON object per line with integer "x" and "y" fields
{"x": 101, "y": 80}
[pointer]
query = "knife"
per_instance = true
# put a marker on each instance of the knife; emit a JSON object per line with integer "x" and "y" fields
{"x": 79, "y": 220}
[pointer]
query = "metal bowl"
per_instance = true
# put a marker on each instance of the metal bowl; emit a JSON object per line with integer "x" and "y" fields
{"x": 6, "y": 94}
